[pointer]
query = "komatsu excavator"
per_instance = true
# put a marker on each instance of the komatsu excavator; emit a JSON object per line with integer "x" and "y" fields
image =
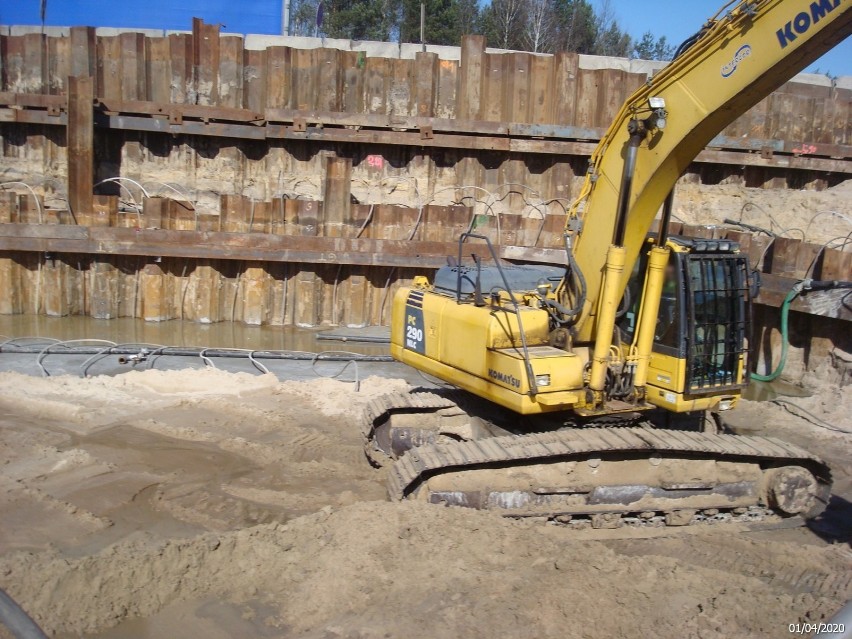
{"x": 580, "y": 391}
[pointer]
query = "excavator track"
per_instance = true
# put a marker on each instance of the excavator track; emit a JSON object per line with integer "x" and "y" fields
{"x": 382, "y": 406}
{"x": 605, "y": 477}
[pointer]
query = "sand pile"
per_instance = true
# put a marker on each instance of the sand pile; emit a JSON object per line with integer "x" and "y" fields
{"x": 211, "y": 504}
{"x": 379, "y": 569}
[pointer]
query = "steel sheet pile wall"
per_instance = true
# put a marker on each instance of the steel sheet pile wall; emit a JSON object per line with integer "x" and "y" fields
{"x": 301, "y": 186}
{"x": 257, "y": 122}
{"x": 284, "y": 262}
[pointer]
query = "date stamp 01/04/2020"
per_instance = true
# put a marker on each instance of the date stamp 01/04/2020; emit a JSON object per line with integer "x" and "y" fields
{"x": 822, "y": 629}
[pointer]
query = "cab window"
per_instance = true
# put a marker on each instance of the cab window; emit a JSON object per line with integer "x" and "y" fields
{"x": 667, "y": 330}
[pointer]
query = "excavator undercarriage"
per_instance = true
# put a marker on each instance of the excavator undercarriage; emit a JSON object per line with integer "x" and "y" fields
{"x": 627, "y": 473}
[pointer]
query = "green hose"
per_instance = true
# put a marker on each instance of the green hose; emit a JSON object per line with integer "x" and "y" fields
{"x": 785, "y": 344}
{"x": 804, "y": 285}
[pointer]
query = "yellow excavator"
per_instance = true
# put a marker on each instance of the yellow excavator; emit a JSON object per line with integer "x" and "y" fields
{"x": 579, "y": 392}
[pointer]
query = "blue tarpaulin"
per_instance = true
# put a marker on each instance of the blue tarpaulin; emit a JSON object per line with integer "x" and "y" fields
{"x": 236, "y": 16}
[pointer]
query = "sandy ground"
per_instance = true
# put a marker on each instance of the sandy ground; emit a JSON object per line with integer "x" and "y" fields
{"x": 815, "y": 216}
{"x": 212, "y": 504}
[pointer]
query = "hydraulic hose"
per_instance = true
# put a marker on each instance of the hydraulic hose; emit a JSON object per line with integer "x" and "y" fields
{"x": 137, "y": 353}
{"x": 686, "y": 44}
{"x": 804, "y": 285}
{"x": 574, "y": 270}
{"x": 577, "y": 272}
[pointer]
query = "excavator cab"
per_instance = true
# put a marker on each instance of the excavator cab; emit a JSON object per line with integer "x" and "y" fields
{"x": 698, "y": 356}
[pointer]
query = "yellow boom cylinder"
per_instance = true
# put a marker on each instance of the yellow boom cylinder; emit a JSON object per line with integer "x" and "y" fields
{"x": 644, "y": 338}
{"x": 615, "y": 259}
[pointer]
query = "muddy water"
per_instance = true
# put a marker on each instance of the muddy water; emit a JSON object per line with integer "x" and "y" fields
{"x": 209, "y": 618}
{"x": 180, "y": 333}
{"x": 758, "y": 391}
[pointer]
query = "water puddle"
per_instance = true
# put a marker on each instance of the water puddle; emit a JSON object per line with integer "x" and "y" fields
{"x": 125, "y": 330}
{"x": 208, "y": 618}
{"x": 757, "y": 391}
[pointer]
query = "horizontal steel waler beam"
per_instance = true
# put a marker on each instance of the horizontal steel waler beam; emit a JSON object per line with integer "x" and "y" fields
{"x": 831, "y": 303}
{"x": 261, "y": 247}
{"x": 176, "y": 119}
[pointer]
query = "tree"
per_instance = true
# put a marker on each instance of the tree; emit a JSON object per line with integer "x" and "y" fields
{"x": 548, "y": 26}
{"x": 649, "y": 48}
{"x": 469, "y": 18}
{"x": 303, "y": 15}
{"x": 445, "y": 21}
{"x": 614, "y": 42}
{"x": 575, "y": 26}
{"x": 503, "y": 23}
{"x": 609, "y": 38}
{"x": 539, "y": 29}
{"x": 359, "y": 19}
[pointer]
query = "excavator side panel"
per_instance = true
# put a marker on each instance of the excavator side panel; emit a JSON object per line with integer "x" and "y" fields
{"x": 477, "y": 348}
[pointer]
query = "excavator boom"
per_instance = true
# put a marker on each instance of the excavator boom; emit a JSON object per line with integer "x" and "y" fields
{"x": 734, "y": 62}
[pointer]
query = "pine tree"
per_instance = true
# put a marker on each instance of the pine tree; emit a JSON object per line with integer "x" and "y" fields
{"x": 469, "y": 18}
{"x": 613, "y": 41}
{"x": 650, "y": 48}
{"x": 609, "y": 38}
{"x": 663, "y": 50}
{"x": 359, "y": 19}
{"x": 441, "y": 24}
{"x": 575, "y": 26}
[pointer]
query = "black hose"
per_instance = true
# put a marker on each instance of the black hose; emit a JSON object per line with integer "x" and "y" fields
{"x": 19, "y": 623}
{"x": 825, "y": 285}
{"x": 687, "y": 44}
{"x": 561, "y": 310}
{"x": 568, "y": 314}
{"x": 177, "y": 351}
{"x": 748, "y": 227}
{"x": 577, "y": 272}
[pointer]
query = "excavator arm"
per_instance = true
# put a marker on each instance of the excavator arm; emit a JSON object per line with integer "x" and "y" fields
{"x": 736, "y": 60}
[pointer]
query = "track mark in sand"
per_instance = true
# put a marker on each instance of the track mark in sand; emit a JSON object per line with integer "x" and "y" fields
{"x": 81, "y": 515}
{"x": 310, "y": 445}
{"x": 818, "y": 571}
{"x": 212, "y": 508}
{"x": 837, "y": 585}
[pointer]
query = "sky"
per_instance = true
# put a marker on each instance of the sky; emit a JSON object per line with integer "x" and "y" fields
{"x": 680, "y": 18}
